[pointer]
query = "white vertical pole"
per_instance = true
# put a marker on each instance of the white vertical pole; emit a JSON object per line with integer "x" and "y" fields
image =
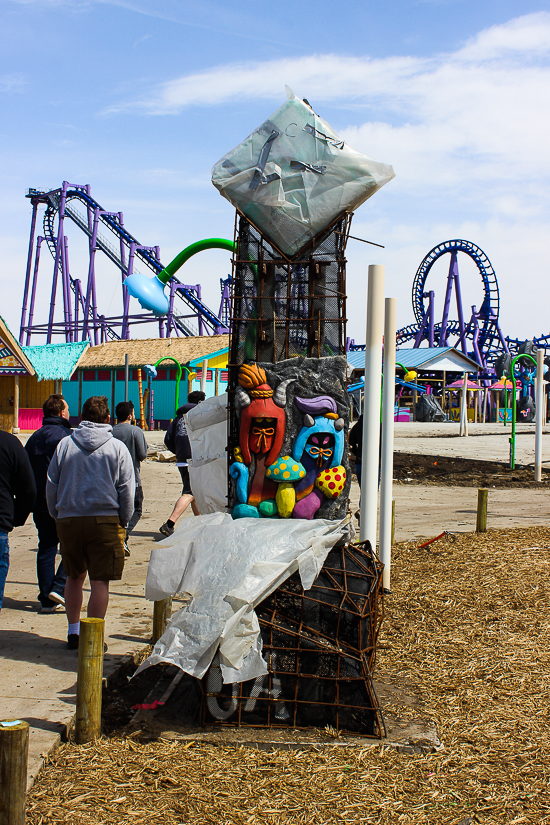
{"x": 203, "y": 376}
{"x": 388, "y": 405}
{"x": 371, "y": 403}
{"x": 539, "y": 404}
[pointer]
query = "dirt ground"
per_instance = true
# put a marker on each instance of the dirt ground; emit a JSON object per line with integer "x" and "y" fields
{"x": 447, "y": 471}
{"x": 467, "y": 628}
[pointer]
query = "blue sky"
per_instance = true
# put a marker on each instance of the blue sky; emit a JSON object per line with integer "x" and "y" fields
{"x": 140, "y": 98}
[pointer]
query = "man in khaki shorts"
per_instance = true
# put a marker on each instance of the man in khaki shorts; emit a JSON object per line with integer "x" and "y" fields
{"x": 90, "y": 494}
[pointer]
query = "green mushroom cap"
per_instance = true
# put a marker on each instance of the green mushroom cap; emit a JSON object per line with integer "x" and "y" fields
{"x": 286, "y": 469}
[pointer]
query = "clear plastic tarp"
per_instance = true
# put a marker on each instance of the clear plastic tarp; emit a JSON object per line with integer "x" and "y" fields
{"x": 223, "y": 569}
{"x": 207, "y": 432}
{"x": 294, "y": 175}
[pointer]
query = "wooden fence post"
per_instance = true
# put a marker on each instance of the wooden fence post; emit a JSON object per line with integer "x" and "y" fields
{"x": 14, "y": 751}
{"x": 481, "y": 520}
{"x": 89, "y": 679}
{"x": 162, "y": 612}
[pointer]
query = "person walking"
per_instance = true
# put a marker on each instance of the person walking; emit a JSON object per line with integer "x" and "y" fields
{"x": 40, "y": 448}
{"x": 355, "y": 439}
{"x": 17, "y": 492}
{"x": 177, "y": 441}
{"x": 90, "y": 494}
{"x": 126, "y": 431}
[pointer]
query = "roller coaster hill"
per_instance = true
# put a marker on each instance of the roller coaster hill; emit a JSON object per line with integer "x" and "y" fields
{"x": 480, "y": 337}
{"x": 80, "y": 317}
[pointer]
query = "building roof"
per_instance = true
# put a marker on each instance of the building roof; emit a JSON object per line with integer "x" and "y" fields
{"x": 216, "y": 360}
{"x": 13, "y": 360}
{"x": 148, "y": 351}
{"x": 430, "y": 359}
{"x": 56, "y": 362}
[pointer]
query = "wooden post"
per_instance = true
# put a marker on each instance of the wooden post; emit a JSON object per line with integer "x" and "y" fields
{"x": 126, "y": 375}
{"x": 89, "y": 678}
{"x": 162, "y": 612}
{"x": 80, "y": 375}
{"x": 217, "y": 379}
{"x": 481, "y": 520}
{"x": 141, "y": 407}
{"x": 113, "y": 396}
{"x": 15, "y": 427}
{"x": 393, "y": 521}
{"x": 14, "y": 751}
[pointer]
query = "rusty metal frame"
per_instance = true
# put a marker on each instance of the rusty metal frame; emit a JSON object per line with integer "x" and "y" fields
{"x": 348, "y": 598}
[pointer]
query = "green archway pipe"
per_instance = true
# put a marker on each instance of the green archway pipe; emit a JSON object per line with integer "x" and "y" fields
{"x": 178, "y": 377}
{"x": 199, "y": 246}
{"x": 513, "y": 439}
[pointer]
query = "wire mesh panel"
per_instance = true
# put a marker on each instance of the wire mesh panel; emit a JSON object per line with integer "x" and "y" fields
{"x": 320, "y": 647}
{"x": 283, "y": 308}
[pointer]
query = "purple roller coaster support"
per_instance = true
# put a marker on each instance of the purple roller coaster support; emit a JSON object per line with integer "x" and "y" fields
{"x": 28, "y": 272}
{"x": 77, "y": 302}
{"x": 225, "y": 303}
{"x": 431, "y": 313}
{"x": 83, "y": 320}
{"x": 458, "y": 295}
{"x": 475, "y": 338}
{"x": 69, "y": 310}
{"x": 58, "y": 248}
{"x": 447, "y": 303}
{"x": 501, "y": 337}
{"x": 420, "y": 334}
{"x": 90, "y": 301}
{"x": 33, "y": 292}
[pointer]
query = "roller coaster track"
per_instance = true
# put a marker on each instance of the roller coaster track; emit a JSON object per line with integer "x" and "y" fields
{"x": 188, "y": 297}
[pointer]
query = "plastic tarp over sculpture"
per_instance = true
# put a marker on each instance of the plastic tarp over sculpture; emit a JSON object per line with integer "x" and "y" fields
{"x": 294, "y": 175}
{"x": 224, "y": 568}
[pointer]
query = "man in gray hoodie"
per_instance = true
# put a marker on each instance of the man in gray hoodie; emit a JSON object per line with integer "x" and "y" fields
{"x": 90, "y": 494}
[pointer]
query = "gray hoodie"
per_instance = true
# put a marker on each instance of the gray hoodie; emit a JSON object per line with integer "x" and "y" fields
{"x": 91, "y": 474}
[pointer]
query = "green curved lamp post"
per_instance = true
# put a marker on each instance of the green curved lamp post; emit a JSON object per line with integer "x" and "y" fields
{"x": 199, "y": 246}
{"x": 150, "y": 291}
{"x": 151, "y": 369}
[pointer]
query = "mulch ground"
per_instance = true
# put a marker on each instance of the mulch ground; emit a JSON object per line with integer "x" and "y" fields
{"x": 467, "y": 625}
{"x": 463, "y": 472}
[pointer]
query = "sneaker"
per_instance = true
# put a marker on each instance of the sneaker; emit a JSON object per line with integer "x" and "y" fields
{"x": 166, "y": 530}
{"x": 59, "y": 598}
{"x": 126, "y": 549}
{"x": 72, "y": 641}
{"x": 53, "y": 609}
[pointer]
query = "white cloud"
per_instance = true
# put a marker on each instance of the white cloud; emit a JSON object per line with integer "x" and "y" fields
{"x": 12, "y": 83}
{"x": 481, "y": 113}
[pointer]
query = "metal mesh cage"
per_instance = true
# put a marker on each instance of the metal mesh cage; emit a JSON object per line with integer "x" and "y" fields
{"x": 320, "y": 648}
{"x": 283, "y": 308}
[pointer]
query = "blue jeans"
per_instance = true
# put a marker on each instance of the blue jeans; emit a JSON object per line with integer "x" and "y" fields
{"x": 49, "y": 579}
{"x": 4, "y": 563}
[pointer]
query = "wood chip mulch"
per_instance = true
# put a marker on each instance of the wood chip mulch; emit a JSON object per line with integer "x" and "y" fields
{"x": 467, "y": 625}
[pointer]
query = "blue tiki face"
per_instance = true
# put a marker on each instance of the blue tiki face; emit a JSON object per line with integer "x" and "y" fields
{"x": 321, "y": 442}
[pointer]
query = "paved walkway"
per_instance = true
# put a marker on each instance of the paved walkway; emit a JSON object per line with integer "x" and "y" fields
{"x": 485, "y": 442}
{"x": 38, "y": 672}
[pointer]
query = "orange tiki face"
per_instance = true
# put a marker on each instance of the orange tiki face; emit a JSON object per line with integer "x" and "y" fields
{"x": 263, "y": 419}
{"x": 262, "y": 433}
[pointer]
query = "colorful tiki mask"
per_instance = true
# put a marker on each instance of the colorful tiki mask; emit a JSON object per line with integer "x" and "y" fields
{"x": 322, "y": 436}
{"x": 262, "y": 426}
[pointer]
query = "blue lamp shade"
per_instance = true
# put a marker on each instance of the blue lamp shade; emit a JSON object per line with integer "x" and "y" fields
{"x": 150, "y": 370}
{"x": 149, "y": 292}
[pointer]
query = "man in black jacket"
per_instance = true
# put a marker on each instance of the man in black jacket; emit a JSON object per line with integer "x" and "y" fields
{"x": 17, "y": 492}
{"x": 177, "y": 440}
{"x": 40, "y": 448}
